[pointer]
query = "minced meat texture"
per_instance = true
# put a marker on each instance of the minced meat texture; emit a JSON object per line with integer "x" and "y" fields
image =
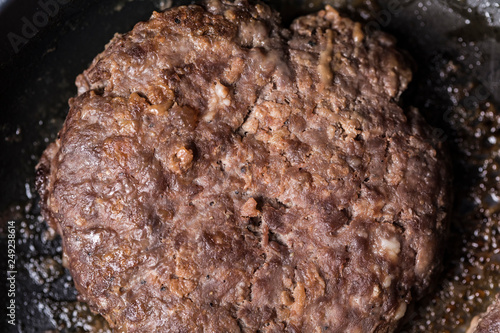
{"x": 220, "y": 173}
{"x": 488, "y": 322}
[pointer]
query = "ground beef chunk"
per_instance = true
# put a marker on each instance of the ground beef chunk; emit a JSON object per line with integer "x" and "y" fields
{"x": 219, "y": 173}
{"x": 488, "y": 322}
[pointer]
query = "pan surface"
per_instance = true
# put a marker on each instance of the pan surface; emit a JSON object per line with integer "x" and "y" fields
{"x": 45, "y": 44}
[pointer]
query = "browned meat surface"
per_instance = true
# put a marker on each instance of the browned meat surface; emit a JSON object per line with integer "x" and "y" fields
{"x": 489, "y": 322}
{"x": 219, "y": 173}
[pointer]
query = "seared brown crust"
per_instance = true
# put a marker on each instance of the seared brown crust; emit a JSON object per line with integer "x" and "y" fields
{"x": 489, "y": 322}
{"x": 217, "y": 173}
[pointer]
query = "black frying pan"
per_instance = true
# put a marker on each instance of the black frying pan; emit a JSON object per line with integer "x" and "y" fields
{"x": 45, "y": 44}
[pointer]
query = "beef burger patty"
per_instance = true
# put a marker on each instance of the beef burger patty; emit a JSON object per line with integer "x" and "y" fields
{"x": 220, "y": 173}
